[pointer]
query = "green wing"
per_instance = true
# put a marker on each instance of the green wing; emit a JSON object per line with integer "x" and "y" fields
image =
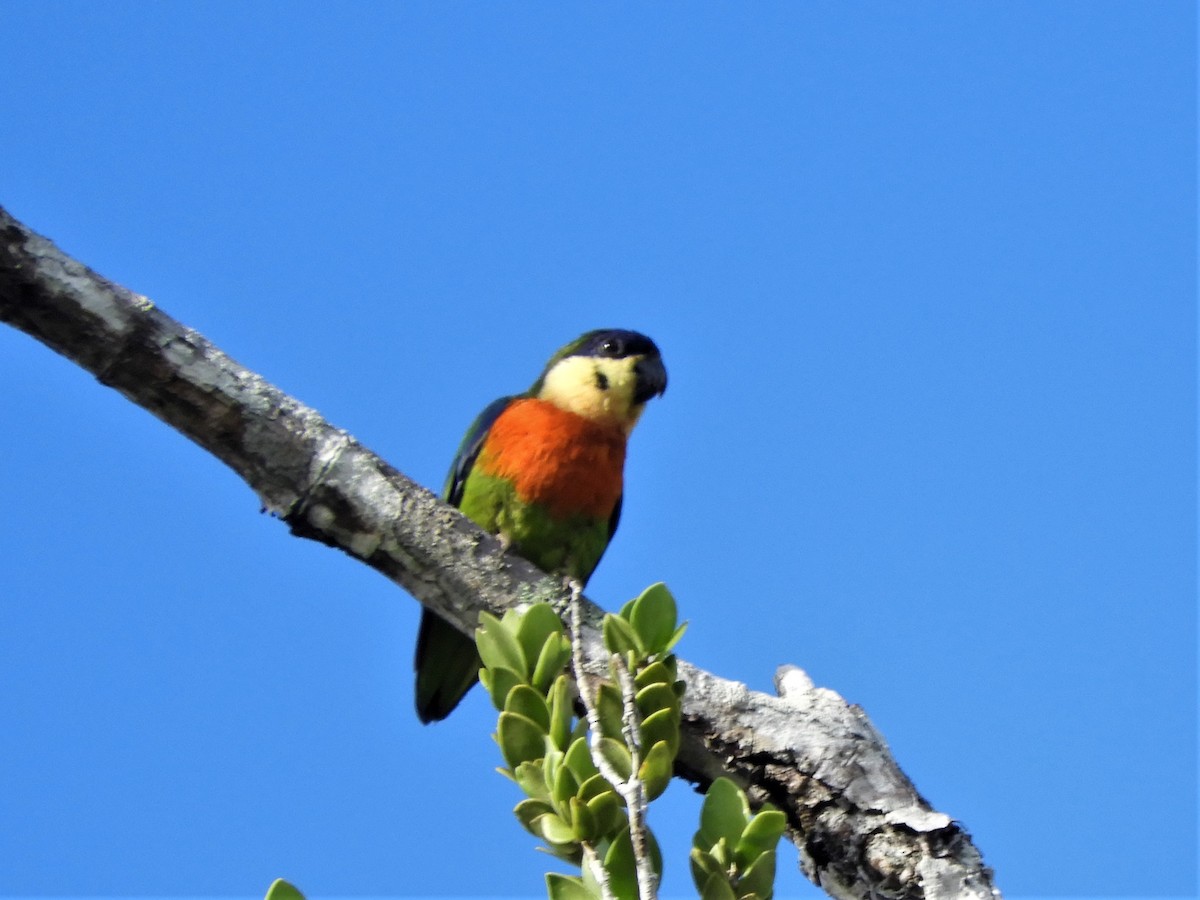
{"x": 468, "y": 450}
{"x": 446, "y": 662}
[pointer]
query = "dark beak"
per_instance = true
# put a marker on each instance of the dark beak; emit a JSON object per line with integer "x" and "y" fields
{"x": 651, "y": 378}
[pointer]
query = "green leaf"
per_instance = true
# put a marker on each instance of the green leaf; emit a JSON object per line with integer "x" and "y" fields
{"x": 529, "y": 810}
{"x": 550, "y": 766}
{"x": 654, "y": 697}
{"x": 622, "y": 871}
{"x": 633, "y": 661}
{"x": 550, "y": 661}
{"x": 499, "y": 682}
{"x": 567, "y": 887}
{"x": 535, "y": 627}
{"x": 662, "y": 726}
{"x": 656, "y": 769}
{"x": 655, "y": 673}
{"x": 703, "y": 867}
{"x": 610, "y": 709}
{"x": 561, "y": 712}
{"x": 761, "y": 835}
{"x": 527, "y": 702}
{"x": 498, "y": 647}
{"x": 619, "y": 636}
{"x": 723, "y": 813}
{"x": 565, "y": 786}
{"x": 579, "y": 759}
{"x": 653, "y": 618}
{"x": 627, "y": 609}
{"x": 520, "y": 738}
{"x": 679, "y": 632}
{"x": 593, "y": 787}
{"x": 760, "y": 877}
{"x": 606, "y": 809}
{"x": 582, "y": 820}
{"x": 530, "y": 777}
{"x": 572, "y": 853}
{"x": 619, "y": 863}
{"x": 722, "y": 853}
{"x": 717, "y": 888}
{"x": 283, "y": 890}
{"x": 617, "y": 756}
{"x": 553, "y": 829}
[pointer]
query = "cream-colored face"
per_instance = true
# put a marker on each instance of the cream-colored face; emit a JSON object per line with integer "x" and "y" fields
{"x": 598, "y": 389}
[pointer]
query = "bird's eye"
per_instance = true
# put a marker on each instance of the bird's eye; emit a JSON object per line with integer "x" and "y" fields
{"x": 612, "y": 347}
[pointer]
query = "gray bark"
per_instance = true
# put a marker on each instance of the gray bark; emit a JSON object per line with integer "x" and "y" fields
{"x": 862, "y": 829}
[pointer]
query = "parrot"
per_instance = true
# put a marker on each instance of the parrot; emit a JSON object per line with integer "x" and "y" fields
{"x": 543, "y": 471}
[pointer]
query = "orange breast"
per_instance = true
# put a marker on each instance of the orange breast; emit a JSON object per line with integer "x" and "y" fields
{"x": 556, "y": 459}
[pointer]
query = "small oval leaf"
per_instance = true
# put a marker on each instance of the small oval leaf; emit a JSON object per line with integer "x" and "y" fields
{"x": 610, "y": 709}
{"x": 627, "y": 609}
{"x": 654, "y": 697}
{"x": 550, "y": 765}
{"x": 703, "y": 867}
{"x": 608, "y": 813}
{"x": 562, "y": 711}
{"x": 617, "y": 755}
{"x": 761, "y": 835}
{"x": 564, "y": 788}
{"x": 679, "y": 632}
{"x": 722, "y": 854}
{"x": 566, "y": 887}
{"x": 760, "y": 877}
{"x": 723, "y": 813}
{"x": 582, "y": 820}
{"x": 283, "y": 890}
{"x": 653, "y": 618}
{"x": 656, "y": 672}
{"x": 520, "y": 739}
{"x": 498, "y": 647}
{"x": 717, "y": 888}
{"x": 593, "y": 787}
{"x": 528, "y": 810}
{"x": 499, "y": 682}
{"x": 579, "y": 759}
{"x": 552, "y": 829}
{"x": 535, "y": 626}
{"x": 656, "y": 769}
{"x": 550, "y": 661}
{"x": 662, "y": 726}
{"x": 619, "y": 636}
{"x": 619, "y": 863}
{"x": 527, "y": 702}
{"x": 531, "y": 779}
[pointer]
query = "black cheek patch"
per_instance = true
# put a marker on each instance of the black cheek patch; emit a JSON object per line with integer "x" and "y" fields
{"x": 601, "y": 380}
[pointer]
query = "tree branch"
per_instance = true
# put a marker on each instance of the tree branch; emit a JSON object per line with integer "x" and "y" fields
{"x": 862, "y": 829}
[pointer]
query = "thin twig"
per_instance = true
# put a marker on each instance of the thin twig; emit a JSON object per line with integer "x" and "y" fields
{"x": 586, "y": 696}
{"x": 634, "y": 790}
{"x": 631, "y": 789}
{"x": 596, "y": 867}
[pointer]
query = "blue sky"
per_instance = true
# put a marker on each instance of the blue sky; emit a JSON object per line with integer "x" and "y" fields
{"x": 924, "y": 280}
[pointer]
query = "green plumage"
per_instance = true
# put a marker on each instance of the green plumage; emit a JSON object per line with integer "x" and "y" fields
{"x": 571, "y": 546}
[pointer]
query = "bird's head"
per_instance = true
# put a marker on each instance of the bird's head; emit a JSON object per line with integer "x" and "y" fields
{"x": 606, "y": 376}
